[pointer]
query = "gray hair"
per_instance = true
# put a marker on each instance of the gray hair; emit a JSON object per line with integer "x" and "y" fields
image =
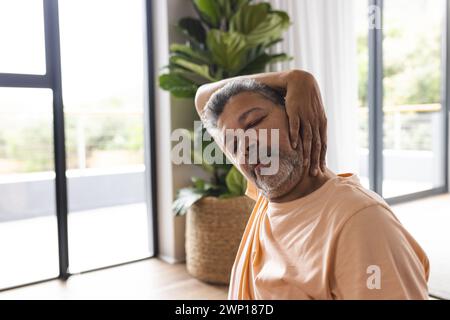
{"x": 220, "y": 98}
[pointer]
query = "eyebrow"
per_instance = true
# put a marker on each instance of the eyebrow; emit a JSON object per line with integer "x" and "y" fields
{"x": 246, "y": 113}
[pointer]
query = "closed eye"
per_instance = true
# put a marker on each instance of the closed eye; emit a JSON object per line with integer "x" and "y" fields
{"x": 254, "y": 123}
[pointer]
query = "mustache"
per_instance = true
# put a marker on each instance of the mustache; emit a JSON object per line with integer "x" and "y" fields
{"x": 261, "y": 156}
{"x": 266, "y": 163}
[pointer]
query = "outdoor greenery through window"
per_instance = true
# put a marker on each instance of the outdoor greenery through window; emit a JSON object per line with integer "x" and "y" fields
{"x": 412, "y": 70}
{"x": 412, "y": 83}
{"x": 102, "y": 51}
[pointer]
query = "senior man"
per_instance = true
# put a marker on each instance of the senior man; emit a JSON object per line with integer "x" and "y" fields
{"x": 310, "y": 236}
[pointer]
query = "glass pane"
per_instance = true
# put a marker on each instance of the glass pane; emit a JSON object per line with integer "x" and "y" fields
{"x": 102, "y": 63}
{"x": 413, "y": 115}
{"x": 28, "y": 229}
{"x": 361, "y": 27}
{"x": 22, "y": 37}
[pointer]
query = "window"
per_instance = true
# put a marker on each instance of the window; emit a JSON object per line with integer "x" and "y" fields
{"x": 402, "y": 109}
{"x": 413, "y": 136}
{"x": 102, "y": 79}
{"x": 22, "y": 37}
{"x": 75, "y": 179}
{"x": 28, "y": 226}
{"x": 361, "y": 23}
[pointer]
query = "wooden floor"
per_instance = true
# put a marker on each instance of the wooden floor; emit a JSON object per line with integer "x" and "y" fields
{"x": 148, "y": 279}
{"x": 427, "y": 220}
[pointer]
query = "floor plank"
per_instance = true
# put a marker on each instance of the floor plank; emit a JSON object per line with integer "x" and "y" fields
{"x": 426, "y": 219}
{"x": 148, "y": 279}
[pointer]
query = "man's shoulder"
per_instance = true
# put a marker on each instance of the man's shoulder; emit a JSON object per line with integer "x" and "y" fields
{"x": 347, "y": 197}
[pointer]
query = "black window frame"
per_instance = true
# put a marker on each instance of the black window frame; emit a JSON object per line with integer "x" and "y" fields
{"x": 375, "y": 104}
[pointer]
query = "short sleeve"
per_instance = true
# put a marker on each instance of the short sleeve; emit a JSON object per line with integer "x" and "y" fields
{"x": 376, "y": 258}
{"x": 251, "y": 191}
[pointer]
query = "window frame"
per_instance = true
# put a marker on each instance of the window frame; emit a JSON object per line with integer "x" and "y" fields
{"x": 52, "y": 80}
{"x": 376, "y": 115}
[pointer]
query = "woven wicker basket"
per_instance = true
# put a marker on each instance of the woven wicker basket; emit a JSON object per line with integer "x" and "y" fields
{"x": 214, "y": 229}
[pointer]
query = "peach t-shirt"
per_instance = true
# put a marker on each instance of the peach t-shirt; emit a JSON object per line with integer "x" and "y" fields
{"x": 339, "y": 242}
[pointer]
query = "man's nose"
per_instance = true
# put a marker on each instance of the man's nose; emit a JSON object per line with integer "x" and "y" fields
{"x": 251, "y": 152}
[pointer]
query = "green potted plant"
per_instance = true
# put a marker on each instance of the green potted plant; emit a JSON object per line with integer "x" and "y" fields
{"x": 228, "y": 38}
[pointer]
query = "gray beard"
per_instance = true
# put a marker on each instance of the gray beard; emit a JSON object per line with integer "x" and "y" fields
{"x": 289, "y": 172}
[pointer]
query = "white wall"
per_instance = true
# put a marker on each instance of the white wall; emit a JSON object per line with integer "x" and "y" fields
{"x": 171, "y": 113}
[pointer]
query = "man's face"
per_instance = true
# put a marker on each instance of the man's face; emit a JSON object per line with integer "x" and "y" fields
{"x": 255, "y": 151}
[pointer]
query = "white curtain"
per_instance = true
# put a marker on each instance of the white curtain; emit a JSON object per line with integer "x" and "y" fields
{"x": 322, "y": 41}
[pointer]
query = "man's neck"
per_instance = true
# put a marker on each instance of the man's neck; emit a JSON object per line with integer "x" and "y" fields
{"x": 308, "y": 184}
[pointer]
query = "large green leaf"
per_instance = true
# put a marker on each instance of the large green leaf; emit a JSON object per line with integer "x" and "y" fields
{"x": 186, "y": 197}
{"x": 249, "y": 17}
{"x": 226, "y": 8}
{"x": 228, "y": 50}
{"x": 259, "y": 23}
{"x": 193, "y": 28}
{"x": 270, "y": 29}
{"x": 209, "y": 11}
{"x": 236, "y": 183}
{"x": 187, "y": 74}
{"x": 272, "y": 43}
{"x": 200, "y": 69}
{"x": 229, "y": 7}
{"x": 187, "y": 51}
{"x": 178, "y": 85}
{"x": 198, "y": 183}
{"x": 259, "y": 63}
{"x": 237, "y": 4}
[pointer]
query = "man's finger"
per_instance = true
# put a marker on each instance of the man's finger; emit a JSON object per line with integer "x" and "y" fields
{"x": 307, "y": 141}
{"x": 294, "y": 129}
{"x": 323, "y": 162}
{"x": 315, "y": 152}
{"x": 323, "y": 151}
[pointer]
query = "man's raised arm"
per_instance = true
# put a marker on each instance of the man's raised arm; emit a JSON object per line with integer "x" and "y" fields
{"x": 304, "y": 108}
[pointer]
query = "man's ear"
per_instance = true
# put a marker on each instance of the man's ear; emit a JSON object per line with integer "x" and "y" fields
{"x": 201, "y": 98}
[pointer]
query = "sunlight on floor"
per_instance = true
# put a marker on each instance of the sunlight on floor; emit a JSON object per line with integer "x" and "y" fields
{"x": 97, "y": 238}
{"x": 148, "y": 279}
{"x": 428, "y": 220}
